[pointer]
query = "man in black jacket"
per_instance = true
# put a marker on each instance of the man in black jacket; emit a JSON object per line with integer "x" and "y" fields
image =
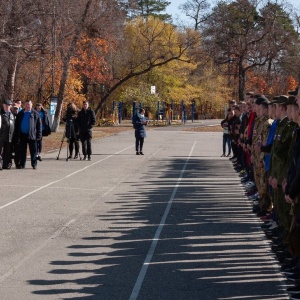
{"x": 28, "y": 130}
{"x": 7, "y": 121}
{"x": 86, "y": 120}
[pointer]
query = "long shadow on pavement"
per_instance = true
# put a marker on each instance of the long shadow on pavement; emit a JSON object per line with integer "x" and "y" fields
{"x": 209, "y": 248}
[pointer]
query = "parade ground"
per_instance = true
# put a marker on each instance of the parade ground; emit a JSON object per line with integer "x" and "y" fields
{"x": 173, "y": 224}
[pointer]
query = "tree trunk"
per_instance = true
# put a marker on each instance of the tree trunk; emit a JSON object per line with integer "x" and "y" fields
{"x": 66, "y": 66}
{"x": 61, "y": 93}
{"x": 11, "y": 76}
{"x": 242, "y": 82}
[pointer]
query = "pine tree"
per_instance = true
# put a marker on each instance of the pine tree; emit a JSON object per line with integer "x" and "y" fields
{"x": 153, "y": 8}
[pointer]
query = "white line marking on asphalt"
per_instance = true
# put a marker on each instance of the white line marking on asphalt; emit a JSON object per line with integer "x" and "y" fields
{"x": 142, "y": 274}
{"x": 57, "y": 233}
{"x": 36, "y": 250}
{"x": 56, "y": 181}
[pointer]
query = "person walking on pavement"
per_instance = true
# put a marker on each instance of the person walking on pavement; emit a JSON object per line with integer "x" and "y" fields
{"x": 139, "y": 123}
{"x": 86, "y": 120}
{"x": 46, "y": 130}
{"x": 7, "y": 121}
{"x": 28, "y": 130}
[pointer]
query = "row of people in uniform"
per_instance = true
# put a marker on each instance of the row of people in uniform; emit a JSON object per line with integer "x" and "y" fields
{"x": 265, "y": 139}
{"x": 25, "y": 127}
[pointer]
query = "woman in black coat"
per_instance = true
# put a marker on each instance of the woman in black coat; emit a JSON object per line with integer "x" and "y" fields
{"x": 72, "y": 129}
{"x": 139, "y": 124}
{"x": 86, "y": 121}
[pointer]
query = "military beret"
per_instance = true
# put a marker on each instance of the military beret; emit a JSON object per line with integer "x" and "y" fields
{"x": 274, "y": 100}
{"x": 8, "y": 102}
{"x": 292, "y": 100}
{"x": 261, "y": 99}
{"x": 293, "y": 93}
{"x": 282, "y": 99}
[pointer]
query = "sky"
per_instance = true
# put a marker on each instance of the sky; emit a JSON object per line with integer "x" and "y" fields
{"x": 173, "y": 10}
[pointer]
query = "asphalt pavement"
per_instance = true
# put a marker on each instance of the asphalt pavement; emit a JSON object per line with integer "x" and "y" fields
{"x": 172, "y": 224}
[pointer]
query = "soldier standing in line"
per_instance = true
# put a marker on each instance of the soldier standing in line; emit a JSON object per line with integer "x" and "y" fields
{"x": 291, "y": 184}
{"x": 235, "y": 131}
{"x": 260, "y": 172}
{"x": 266, "y": 148}
{"x": 255, "y": 137}
{"x": 286, "y": 161}
{"x": 279, "y": 156}
{"x": 249, "y": 135}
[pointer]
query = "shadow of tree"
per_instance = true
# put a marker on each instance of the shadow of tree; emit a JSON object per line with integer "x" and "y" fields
{"x": 210, "y": 246}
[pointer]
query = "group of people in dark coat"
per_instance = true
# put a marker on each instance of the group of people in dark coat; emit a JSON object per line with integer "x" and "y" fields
{"x": 19, "y": 128}
{"x": 79, "y": 126}
{"x": 25, "y": 127}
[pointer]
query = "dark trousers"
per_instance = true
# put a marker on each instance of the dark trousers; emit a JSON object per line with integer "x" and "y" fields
{"x": 73, "y": 142}
{"x": 16, "y": 151}
{"x": 39, "y": 145}
{"x": 86, "y": 142}
{"x": 226, "y": 141}
{"x": 139, "y": 142}
{"x": 234, "y": 147}
{"x": 5, "y": 155}
{"x": 24, "y": 141}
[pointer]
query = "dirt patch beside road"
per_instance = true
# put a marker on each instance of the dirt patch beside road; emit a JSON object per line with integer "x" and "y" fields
{"x": 217, "y": 128}
{"x": 53, "y": 141}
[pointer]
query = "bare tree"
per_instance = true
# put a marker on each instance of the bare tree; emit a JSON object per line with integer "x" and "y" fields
{"x": 21, "y": 26}
{"x": 97, "y": 18}
{"x": 196, "y": 10}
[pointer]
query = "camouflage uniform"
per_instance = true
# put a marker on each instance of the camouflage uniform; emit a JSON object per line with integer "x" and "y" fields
{"x": 256, "y": 156}
{"x": 288, "y": 140}
{"x": 260, "y": 177}
{"x": 279, "y": 156}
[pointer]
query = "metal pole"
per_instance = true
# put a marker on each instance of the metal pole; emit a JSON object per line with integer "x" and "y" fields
{"x": 133, "y": 109}
{"x": 172, "y": 107}
{"x": 120, "y": 111}
{"x": 182, "y": 112}
{"x": 193, "y": 111}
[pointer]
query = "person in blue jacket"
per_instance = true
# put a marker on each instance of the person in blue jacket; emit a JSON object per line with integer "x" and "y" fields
{"x": 139, "y": 124}
{"x": 28, "y": 130}
{"x": 46, "y": 130}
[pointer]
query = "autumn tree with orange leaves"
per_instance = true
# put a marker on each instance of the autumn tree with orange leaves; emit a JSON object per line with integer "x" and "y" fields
{"x": 147, "y": 44}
